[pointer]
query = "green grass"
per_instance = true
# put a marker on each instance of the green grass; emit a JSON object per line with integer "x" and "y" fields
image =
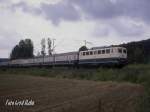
{"x": 131, "y": 73}
{"x": 139, "y": 74}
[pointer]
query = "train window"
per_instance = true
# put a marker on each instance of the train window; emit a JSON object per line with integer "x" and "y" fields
{"x": 120, "y": 50}
{"x": 103, "y": 51}
{"x": 99, "y": 51}
{"x": 124, "y": 51}
{"x": 83, "y": 53}
{"x": 107, "y": 51}
{"x": 87, "y": 53}
{"x": 91, "y": 53}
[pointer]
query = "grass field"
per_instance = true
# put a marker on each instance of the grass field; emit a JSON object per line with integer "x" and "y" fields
{"x": 139, "y": 74}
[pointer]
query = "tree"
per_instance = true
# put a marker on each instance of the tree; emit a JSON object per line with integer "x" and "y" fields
{"x": 83, "y": 48}
{"x": 43, "y": 46}
{"x": 22, "y": 50}
{"x": 15, "y": 52}
{"x": 29, "y": 48}
{"x": 138, "y": 55}
{"x": 49, "y": 43}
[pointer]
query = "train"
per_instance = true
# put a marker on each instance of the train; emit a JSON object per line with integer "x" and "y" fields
{"x": 96, "y": 56}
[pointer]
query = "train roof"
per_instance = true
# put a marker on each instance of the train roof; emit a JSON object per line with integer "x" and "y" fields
{"x": 100, "y": 47}
{"x": 103, "y": 47}
{"x": 67, "y": 53}
{"x": 58, "y": 54}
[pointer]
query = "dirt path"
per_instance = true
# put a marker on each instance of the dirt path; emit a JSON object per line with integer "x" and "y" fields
{"x": 64, "y": 95}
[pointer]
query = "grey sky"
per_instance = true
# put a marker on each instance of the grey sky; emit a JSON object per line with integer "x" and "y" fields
{"x": 104, "y": 22}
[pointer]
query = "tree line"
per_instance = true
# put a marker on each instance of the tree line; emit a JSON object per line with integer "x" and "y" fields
{"x": 138, "y": 52}
{"x": 25, "y": 49}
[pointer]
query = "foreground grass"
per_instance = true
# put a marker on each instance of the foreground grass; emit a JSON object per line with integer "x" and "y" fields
{"x": 139, "y": 74}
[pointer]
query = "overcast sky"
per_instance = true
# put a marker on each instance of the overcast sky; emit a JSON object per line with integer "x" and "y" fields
{"x": 102, "y": 22}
